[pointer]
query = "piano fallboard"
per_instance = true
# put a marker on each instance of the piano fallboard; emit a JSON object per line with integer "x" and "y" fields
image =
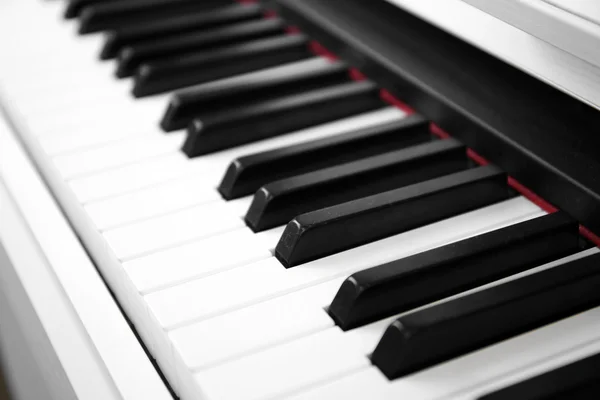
{"x": 540, "y": 135}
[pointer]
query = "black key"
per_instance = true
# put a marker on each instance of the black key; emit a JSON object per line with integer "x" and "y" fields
{"x": 577, "y": 381}
{"x": 278, "y": 202}
{"x": 331, "y": 230}
{"x": 104, "y": 16}
{"x": 213, "y": 97}
{"x": 447, "y": 330}
{"x": 173, "y": 26}
{"x": 74, "y": 7}
{"x": 159, "y": 50}
{"x": 157, "y": 77}
{"x": 247, "y": 174}
{"x": 265, "y": 119}
{"x": 411, "y": 282}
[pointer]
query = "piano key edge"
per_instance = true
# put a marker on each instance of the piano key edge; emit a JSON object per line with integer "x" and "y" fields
{"x": 43, "y": 273}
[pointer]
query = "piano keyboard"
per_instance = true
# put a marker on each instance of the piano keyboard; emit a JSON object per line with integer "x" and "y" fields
{"x": 274, "y": 228}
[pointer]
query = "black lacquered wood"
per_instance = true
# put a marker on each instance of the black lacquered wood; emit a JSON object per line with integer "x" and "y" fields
{"x": 173, "y": 26}
{"x": 282, "y": 115}
{"x": 331, "y": 230}
{"x": 74, "y": 7}
{"x": 541, "y": 136}
{"x": 175, "y": 46}
{"x": 577, "y": 381}
{"x": 451, "y": 329}
{"x": 279, "y": 202}
{"x": 162, "y": 76}
{"x": 411, "y": 282}
{"x": 214, "y": 97}
{"x": 115, "y": 14}
{"x": 246, "y": 175}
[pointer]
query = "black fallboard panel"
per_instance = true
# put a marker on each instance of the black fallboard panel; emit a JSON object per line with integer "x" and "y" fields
{"x": 544, "y": 138}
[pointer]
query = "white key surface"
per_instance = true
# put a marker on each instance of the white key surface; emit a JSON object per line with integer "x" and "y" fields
{"x": 452, "y": 376}
{"x": 254, "y": 328}
{"x": 129, "y": 151}
{"x": 151, "y": 202}
{"x": 236, "y": 288}
{"x": 159, "y": 233}
{"x": 213, "y": 290}
{"x": 196, "y": 259}
{"x": 290, "y": 365}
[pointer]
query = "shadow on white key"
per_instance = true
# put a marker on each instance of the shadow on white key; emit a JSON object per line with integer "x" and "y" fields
{"x": 253, "y": 283}
{"x": 572, "y": 355}
{"x": 467, "y": 377}
{"x": 230, "y": 290}
{"x": 238, "y": 334}
{"x": 467, "y": 374}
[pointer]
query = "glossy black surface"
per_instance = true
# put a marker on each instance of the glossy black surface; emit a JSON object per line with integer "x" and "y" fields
{"x": 171, "y": 47}
{"x": 447, "y": 330}
{"x": 177, "y": 25}
{"x": 214, "y": 97}
{"x": 265, "y": 119}
{"x": 114, "y": 14}
{"x": 204, "y": 66}
{"x": 279, "y": 202}
{"x": 74, "y": 7}
{"x": 344, "y": 226}
{"x": 414, "y": 281}
{"x": 577, "y": 381}
{"x": 541, "y": 136}
{"x": 247, "y": 174}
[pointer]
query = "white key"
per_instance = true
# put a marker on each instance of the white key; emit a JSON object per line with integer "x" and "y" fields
{"x": 119, "y": 114}
{"x": 367, "y": 383}
{"x": 150, "y": 172}
{"x": 221, "y": 160}
{"x": 283, "y": 368}
{"x": 365, "y": 120}
{"x": 254, "y": 328}
{"x": 560, "y": 360}
{"x": 292, "y": 366}
{"x": 511, "y": 357}
{"x": 218, "y": 253}
{"x": 66, "y": 142}
{"x": 270, "y": 238}
{"x": 230, "y": 290}
{"x": 130, "y": 178}
{"x": 276, "y": 326}
{"x": 45, "y": 110}
{"x": 162, "y": 232}
{"x": 197, "y": 259}
{"x": 444, "y": 375}
{"x": 92, "y": 79}
{"x": 115, "y": 155}
{"x": 240, "y": 206}
{"x": 150, "y": 202}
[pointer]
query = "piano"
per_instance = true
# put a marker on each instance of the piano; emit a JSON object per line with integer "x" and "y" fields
{"x": 299, "y": 199}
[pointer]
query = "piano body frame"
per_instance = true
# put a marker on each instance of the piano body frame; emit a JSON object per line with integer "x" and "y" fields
{"x": 59, "y": 323}
{"x": 62, "y": 335}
